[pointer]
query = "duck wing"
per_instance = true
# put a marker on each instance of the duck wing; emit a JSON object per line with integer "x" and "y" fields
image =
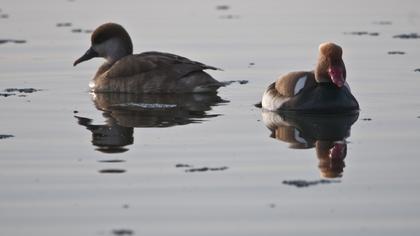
{"x": 173, "y": 66}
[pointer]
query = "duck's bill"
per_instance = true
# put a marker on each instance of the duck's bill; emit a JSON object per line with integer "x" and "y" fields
{"x": 89, "y": 54}
{"x": 337, "y": 76}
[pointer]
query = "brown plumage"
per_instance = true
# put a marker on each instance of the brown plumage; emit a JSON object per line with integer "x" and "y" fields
{"x": 148, "y": 72}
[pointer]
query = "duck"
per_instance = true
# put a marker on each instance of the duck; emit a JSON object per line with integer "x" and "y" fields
{"x": 145, "y": 73}
{"x": 322, "y": 90}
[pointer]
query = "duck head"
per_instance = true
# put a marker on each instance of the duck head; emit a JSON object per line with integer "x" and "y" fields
{"x": 330, "y": 67}
{"x": 110, "y": 41}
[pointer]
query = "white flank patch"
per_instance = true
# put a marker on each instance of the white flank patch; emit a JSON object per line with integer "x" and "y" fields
{"x": 299, "y": 138}
{"x": 300, "y": 84}
{"x": 272, "y": 103}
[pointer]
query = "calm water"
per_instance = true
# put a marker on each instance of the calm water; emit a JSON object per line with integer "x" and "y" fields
{"x": 209, "y": 165}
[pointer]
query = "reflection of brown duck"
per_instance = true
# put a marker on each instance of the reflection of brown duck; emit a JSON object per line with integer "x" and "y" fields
{"x": 123, "y": 112}
{"x": 326, "y": 133}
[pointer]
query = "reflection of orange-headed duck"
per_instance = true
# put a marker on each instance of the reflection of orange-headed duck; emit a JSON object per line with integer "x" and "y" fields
{"x": 331, "y": 157}
{"x": 148, "y": 72}
{"x": 327, "y": 133}
{"x": 323, "y": 90}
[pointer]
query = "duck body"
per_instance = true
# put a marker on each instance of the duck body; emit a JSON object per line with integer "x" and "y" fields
{"x": 323, "y": 90}
{"x": 148, "y": 72}
{"x": 299, "y": 92}
{"x": 154, "y": 72}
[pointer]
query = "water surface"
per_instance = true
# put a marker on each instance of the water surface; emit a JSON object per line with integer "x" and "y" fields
{"x": 78, "y": 164}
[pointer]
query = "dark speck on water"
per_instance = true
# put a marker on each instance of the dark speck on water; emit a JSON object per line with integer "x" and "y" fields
{"x": 226, "y": 83}
{"x": 79, "y": 30}
{"x": 222, "y": 7}
{"x": 360, "y": 33}
{"x": 64, "y": 24}
{"x": 4, "y": 136}
{"x": 243, "y": 81}
{"x": 305, "y": 183}
{"x": 229, "y": 16}
{"x": 4, "y": 16}
{"x": 396, "y": 53}
{"x": 122, "y": 232}
{"x": 182, "y": 165}
{"x": 204, "y": 169}
{"x": 112, "y": 171}
{"x": 384, "y": 22}
{"x": 417, "y": 70}
{"x": 18, "y": 41}
{"x": 367, "y": 119}
{"x": 22, "y": 90}
{"x": 407, "y": 36}
{"x": 75, "y": 112}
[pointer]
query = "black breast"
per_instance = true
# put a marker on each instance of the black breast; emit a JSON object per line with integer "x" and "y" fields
{"x": 323, "y": 98}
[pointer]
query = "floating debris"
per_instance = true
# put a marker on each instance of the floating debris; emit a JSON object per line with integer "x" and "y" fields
{"x": 4, "y": 136}
{"x": 112, "y": 171}
{"x": 122, "y": 232}
{"x": 13, "y": 91}
{"x": 4, "y": 16}
{"x": 243, "y": 81}
{"x": 417, "y": 70}
{"x": 64, "y": 24}
{"x": 396, "y": 53}
{"x": 225, "y": 83}
{"x": 407, "y": 36}
{"x": 384, "y": 22}
{"x": 22, "y": 90}
{"x": 367, "y": 119}
{"x": 304, "y": 183}
{"x": 229, "y": 16}
{"x": 222, "y": 7}
{"x": 79, "y": 30}
{"x": 75, "y": 112}
{"x": 182, "y": 165}
{"x": 360, "y": 33}
{"x": 204, "y": 169}
{"x": 18, "y": 41}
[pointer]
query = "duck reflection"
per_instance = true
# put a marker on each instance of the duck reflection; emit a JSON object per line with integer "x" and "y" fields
{"x": 123, "y": 112}
{"x": 326, "y": 133}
